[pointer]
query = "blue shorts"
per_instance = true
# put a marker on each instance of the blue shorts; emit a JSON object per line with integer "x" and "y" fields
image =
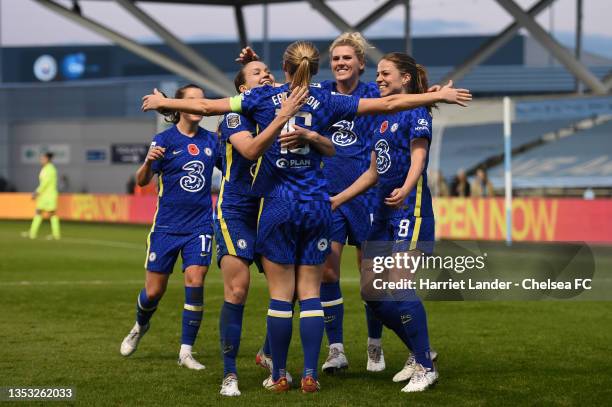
{"x": 236, "y": 226}
{"x": 408, "y": 233}
{"x": 351, "y": 222}
{"x": 294, "y": 232}
{"x": 163, "y": 250}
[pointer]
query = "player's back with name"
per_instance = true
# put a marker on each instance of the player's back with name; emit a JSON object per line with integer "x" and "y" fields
{"x": 295, "y": 174}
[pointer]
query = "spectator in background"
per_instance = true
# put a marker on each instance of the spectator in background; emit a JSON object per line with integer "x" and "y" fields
{"x": 438, "y": 184}
{"x": 131, "y": 185}
{"x": 64, "y": 184}
{"x": 46, "y": 198}
{"x": 460, "y": 185}
{"x": 481, "y": 186}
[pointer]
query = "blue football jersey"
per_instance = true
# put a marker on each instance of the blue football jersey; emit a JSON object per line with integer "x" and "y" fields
{"x": 237, "y": 171}
{"x": 392, "y": 146}
{"x": 296, "y": 173}
{"x": 185, "y": 172}
{"x": 353, "y": 142}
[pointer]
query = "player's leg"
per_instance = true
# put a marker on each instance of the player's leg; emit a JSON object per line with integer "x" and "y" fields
{"x": 333, "y": 307}
{"x": 162, "y": 251}
{"x": 196, "y": 253}
{"x": 55, "y": 225}
{"x": 312, "y": 250}
{"x": 281, "y": 286}
{"x": 35, "y": 225}
{"x": 311, "y": 322}
{"x": 375, "y": 355}
{"x": 236, "y": 278}
{"x": 421, "y": 236}
{"x": 146, "y": 305}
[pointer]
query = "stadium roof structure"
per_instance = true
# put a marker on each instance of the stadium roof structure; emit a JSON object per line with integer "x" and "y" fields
{"x": 200, "y": 70}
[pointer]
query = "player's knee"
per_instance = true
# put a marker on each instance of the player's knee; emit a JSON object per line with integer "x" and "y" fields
{"x": 238, "y": 294}
{"x": 194, "y": 277}
{"x": 155, "y": 291}
{"x": 330, "y": 274}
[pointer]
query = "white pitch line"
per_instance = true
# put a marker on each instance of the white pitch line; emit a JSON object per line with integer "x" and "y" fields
{"x": 107, "y": 243}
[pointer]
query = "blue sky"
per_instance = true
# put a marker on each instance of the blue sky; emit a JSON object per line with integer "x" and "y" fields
{"x": 24, "y": 22}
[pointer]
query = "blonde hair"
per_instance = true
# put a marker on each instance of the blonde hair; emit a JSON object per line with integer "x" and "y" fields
{"x": 354, "y": 40}
{"x": 301, "y": 61}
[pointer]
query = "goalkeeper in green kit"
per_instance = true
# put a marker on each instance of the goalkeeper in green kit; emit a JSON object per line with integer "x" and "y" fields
{"x": 46, "y": 198}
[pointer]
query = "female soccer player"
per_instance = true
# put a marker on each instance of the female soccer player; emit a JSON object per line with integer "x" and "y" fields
{"x": 405, "y": 213}
{"x": 237, "y": 207}
{"x": 295, "y": 215}
{"x": 351, "y": 221}
{"x": 46, "y": 198}
{"x": 183, "y": 156}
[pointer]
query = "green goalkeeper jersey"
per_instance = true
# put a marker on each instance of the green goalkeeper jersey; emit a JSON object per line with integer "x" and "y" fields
{"x": 47, "y": 188}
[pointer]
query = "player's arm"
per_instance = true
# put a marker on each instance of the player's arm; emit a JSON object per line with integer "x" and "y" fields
{"x": 301, "y": 136}
{"x": 205, "y": 107}
{"x": 405, "y": 101}
{"x": 144, "y": 174}
{"x": 418, "y": 155}
{"x": 365, "y": 181}
{"x": 251, "y": 147}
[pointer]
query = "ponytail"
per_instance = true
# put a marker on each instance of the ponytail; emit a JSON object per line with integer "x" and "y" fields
{"x": 301, "y": 62}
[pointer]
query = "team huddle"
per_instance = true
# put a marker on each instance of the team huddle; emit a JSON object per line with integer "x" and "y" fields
{"x": 306, "y": 168}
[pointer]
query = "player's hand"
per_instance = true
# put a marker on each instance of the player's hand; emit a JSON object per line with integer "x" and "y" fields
{"x": 290, "y": 105}
{"x": 247, "y": 55}
{"x": 335, "y": 202}
{"x": 155, "y": 153}
{"x": 396, "y": 198}
{"x": 451, "y": 95}
{"x": 434, "y": 88}
{"x": 153, "y": 101}
{"x": 297, "y": 138}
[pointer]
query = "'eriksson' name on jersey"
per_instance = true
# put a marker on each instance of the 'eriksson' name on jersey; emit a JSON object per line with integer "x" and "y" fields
{"x": 311, "y": 101}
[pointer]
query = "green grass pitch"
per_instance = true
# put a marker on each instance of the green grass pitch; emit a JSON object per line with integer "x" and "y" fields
{"x": 65, "y": 307}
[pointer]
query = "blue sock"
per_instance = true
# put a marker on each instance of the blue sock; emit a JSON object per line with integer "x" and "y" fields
{"x": 389, "y": 314}
{"x": 414, "y": 322}
{"x": 312, "y": 326}
{"x": 230, "y": 329}
{"x": 145, "y": 308}
{"x": 375, "y": 327}
{"x": 192, "y": 314}
{"x": 333, "y": 307}
{"x": 266, "y": 346}
{"x": 280, "y": 326}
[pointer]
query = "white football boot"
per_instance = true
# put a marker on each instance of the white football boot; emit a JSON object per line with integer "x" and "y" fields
{"x": 336, "y": 360}
{"x": 407, "y": 371}
{"x": 376, "y": 358}
{"x": 229, "y": 387}
{"x": 187, "y": 360}
{"x": 421, "y": 379}
{"x": 130, "y": 342}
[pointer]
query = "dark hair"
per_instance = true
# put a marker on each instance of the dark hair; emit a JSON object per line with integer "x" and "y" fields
{"x": 407, "y": 65}
{"x": 240, "y": 79}
{"x": 49, "y": 155}
{"x": 174, "y": 117}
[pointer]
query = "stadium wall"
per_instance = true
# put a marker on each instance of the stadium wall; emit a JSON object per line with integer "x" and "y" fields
{"x": 456, "y": 218}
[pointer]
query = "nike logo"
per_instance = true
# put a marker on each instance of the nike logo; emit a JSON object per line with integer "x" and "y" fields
{"x": 175, "y": 152}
